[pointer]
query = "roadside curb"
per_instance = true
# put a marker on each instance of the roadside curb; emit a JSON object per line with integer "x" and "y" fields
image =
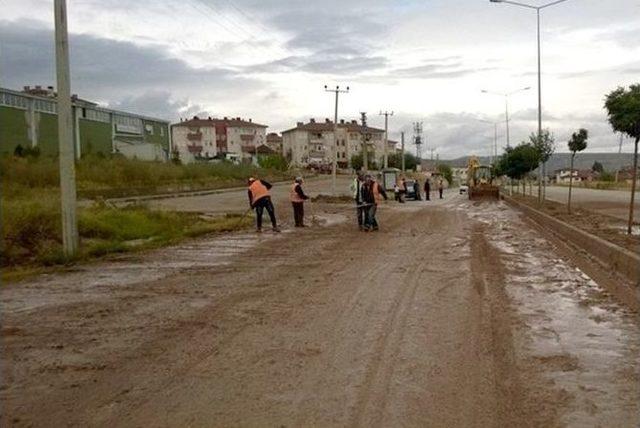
{"x": 142, "y": 198}
{"x": 619, "y": 259}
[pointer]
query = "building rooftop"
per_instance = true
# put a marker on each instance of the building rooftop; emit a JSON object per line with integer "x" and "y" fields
{"x": 226, "y": 121}
{"x": 327, "y": 125}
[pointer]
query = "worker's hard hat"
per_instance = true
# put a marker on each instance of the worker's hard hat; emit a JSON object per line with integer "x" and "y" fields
{"x": 251, "y": 180}
{"x": 298, "y": 180}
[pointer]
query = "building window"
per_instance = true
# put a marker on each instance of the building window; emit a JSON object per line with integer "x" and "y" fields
{"x": 162, "y": 131}
{"x": 12, "y": 100}
{"x": 97, "y": 115}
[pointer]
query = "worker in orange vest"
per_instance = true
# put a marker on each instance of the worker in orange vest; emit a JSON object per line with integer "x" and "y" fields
{"x": 297, "y": 198}
{"x": 260, "y": 199}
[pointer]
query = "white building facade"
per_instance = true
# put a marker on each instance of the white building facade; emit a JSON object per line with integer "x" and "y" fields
{"x": 233, "y": 139}
{"x": 311, "y": 144}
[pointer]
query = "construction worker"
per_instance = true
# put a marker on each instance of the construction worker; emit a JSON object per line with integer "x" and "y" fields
{"x": 260, "y": 199}
{"x": 297, "y": 198}
{"x": 356, "y": 191}
{"x": 416, "y": 190}
{"x": 372, "y": 194}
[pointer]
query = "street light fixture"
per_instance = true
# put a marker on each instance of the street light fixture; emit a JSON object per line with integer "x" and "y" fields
{"x": 506, "y": 96}
{"x": 537, "y": 9}
{"x": 334, "y": 162}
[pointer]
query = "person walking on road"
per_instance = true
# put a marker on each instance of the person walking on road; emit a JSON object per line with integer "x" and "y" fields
{"x": 427, "y": 190}
{"x": 260, "y": 199}
{"x": 297, "y": 198}
{"x": 372, "y": 194}
{"x": 416, "y": 190}
{"x": 356, "y": 191}
{"x": 440, "y": 187}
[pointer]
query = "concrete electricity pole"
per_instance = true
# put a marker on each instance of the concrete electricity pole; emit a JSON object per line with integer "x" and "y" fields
{"x": 365, "y": 151}
{"x": 65, "y": 133}
{"x": 402, "y": 149}
{"x": 334, "y": 162}
{"x": 386, "y": 115}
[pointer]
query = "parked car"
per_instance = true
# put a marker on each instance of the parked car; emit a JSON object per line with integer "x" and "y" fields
{"x": 411, "y": 193}
{"x": 464, "y": 189}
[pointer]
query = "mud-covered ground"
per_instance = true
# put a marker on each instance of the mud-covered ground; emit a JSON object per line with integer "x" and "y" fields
{"x": 454, "y": 314}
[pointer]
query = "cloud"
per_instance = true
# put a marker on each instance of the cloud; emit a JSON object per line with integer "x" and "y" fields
{"x": 114, "y": 72}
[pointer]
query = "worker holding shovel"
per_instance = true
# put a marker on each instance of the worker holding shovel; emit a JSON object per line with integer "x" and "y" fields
{"x": 260, "y": 199}
{"x": 297, "y": 198}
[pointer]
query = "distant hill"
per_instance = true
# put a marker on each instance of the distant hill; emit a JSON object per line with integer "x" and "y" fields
{"x": 610, "y": 161}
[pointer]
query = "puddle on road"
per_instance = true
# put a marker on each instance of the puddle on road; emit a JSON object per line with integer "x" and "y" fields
{"x": 587, "y": 343}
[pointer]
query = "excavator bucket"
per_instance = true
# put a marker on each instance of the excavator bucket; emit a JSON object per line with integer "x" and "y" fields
{"x": 486, "y": 192}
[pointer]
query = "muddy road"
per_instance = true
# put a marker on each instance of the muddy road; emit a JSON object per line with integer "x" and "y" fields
{"x": 453, "y": 315}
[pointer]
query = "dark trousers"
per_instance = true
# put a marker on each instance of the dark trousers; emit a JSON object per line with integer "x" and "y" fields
{"x": 298, "y": 213}
{"x": 427, "y": 193}
{"x": 371, "y": 222}
{"x": 361, "y": 213}
{"x": 262, "y": 204}
{"x": 440, "y": 190}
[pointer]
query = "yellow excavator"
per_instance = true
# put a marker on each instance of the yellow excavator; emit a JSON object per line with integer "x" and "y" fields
{"x": 480, "y": 181}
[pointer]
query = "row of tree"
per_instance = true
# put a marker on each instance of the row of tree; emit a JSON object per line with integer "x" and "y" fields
{"x": 623, "y": 108}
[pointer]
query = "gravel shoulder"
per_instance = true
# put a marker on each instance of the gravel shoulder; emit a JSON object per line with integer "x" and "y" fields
{"x": 425, "y": 322}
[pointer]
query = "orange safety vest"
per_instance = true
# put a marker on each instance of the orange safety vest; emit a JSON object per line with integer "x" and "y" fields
{"x": 258, "y": 191}
{"x": 293, "y": 195}
{"x": 376, "y": 192}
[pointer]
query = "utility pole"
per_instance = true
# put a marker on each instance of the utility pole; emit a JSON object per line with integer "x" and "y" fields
{"x": 386, "y": 115}
{"x": 402, "y": 149}
{"x": 65, "y": 133}
{"x": 365, "y": 151}
{"x": 417, "y": 138}
{"x": 334, "y": 162}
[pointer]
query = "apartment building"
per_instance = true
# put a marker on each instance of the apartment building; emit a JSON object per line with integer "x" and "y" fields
{"x": 208, "y": 138}
{"x": 311, "y": 143}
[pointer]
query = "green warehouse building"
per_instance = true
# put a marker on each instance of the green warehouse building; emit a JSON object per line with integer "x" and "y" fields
{"x": 29, "y": 119}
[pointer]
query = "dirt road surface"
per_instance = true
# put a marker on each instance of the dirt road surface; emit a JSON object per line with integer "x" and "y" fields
{"x": 610, "y": 202}
{"x": 453, "y": 315}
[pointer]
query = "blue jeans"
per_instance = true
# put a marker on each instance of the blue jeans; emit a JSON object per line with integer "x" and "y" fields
{"x": 262, "y": 204}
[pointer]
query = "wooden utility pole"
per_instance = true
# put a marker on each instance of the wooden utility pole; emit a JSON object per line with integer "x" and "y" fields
{"x": 386, "y": 115}
{"x": 365, "y": 151}
{"x": 402, "y": 149}
{"x": 334, "y": 157}
{"x": 65, "y": 133}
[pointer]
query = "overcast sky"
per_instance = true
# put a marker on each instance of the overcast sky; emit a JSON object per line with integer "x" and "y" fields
{"x": 268, "y": 60}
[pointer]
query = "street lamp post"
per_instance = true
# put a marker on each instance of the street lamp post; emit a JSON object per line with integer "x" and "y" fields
{"x": 537, "y": 9}
{"x": 506, "y": 96}
{"x": 334, "y": 162}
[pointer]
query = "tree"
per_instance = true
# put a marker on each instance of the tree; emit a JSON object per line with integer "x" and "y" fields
{"x": 623, "y": 107}
{"x": 597, "y": 167}
{"x": 577, "y": 143}
{"x": 545, "y": 145}
{"x": 357, "y": 162}
{"x": 517, "y": 162}
{"x": 410, "y": 161}
{"x": 446, "y": 172}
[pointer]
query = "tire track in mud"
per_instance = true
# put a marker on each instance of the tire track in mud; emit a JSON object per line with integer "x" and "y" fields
{"x": 522, "y": 396}
{"x": 386, "y": 349}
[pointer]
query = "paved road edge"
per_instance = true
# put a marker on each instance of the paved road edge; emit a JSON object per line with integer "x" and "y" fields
{"x": 620, "y": 260}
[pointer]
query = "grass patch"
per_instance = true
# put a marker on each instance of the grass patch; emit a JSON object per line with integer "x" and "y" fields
{"x": 31, "y": 230}
{"x": 117, "y": 176}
